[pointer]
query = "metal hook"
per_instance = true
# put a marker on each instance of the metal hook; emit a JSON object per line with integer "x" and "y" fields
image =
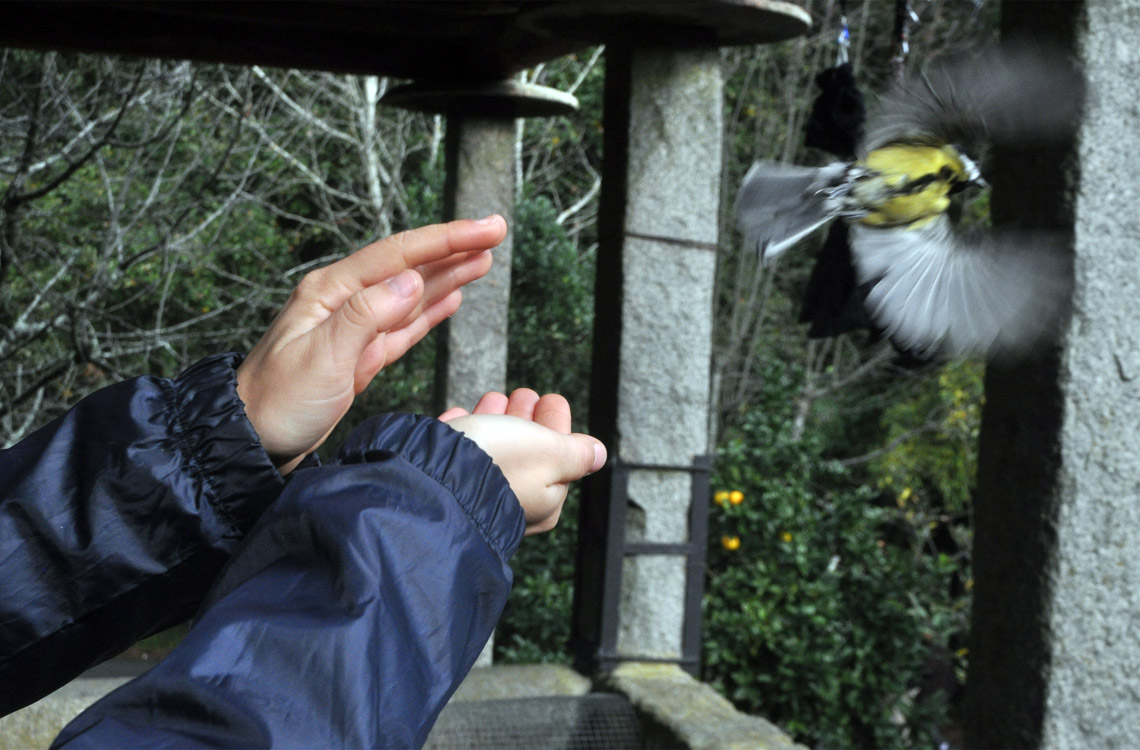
{"x": 844, "y": 40}
{"x": 842, "y": 55}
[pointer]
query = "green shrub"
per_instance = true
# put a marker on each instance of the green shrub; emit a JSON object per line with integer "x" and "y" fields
{"x": 551, "y": 320}
{"x": 812, "y": 618}
{"x": 552, "y": 307}
{"x": 535, "y": 626}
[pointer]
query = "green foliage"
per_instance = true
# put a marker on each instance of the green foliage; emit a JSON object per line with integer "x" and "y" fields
{"x": 551, "y": 312}
{"x": 934, "y": 436}
{"x": 535, "y": 626}
{"x": 816, "y": 615}
{"x": 551, "y": 319}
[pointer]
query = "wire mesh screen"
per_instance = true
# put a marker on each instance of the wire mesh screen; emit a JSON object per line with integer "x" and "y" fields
{"x": 600, "y": 721}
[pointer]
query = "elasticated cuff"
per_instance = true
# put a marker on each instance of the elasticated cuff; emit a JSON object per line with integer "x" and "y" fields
{"x": 454, "y": 461}
{"x": 213, "y": 428}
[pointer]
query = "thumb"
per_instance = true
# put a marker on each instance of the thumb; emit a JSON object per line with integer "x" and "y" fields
{"x": 584, "y": 455}
{"x": 371, "y": 312}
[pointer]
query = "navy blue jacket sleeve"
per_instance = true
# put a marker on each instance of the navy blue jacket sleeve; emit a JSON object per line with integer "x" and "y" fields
{"x": 117, "y": 517}
{"x": 348, "y": 616}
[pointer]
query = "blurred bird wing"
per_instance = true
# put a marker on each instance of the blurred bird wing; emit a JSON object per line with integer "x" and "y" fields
{"x": 937, "y": 292}
{"x": 780, "y": 204}
{"x": 1017, "y": 94}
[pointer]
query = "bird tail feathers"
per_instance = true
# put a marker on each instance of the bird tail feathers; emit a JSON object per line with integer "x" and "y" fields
{"x": 780, "y": 204}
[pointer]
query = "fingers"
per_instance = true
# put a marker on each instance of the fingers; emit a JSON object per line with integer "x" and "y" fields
{"x": 357, "y": 322}
{"x": 370, "y": 265}
{"x": 453, "y": 413}
{"x": 600, "y": 455}
{"x": 389, "y": 347}
{"x": 443, "y": 279}
{"x": 441, "y": 299}
{"x": 538, "y": 462}
{"x": 553, "y": 411}
{"x": 492, "y": 402}
{"x": 577, "y": 456}
{"x": 453, "y": 272}
{"x": 521, "y": 404}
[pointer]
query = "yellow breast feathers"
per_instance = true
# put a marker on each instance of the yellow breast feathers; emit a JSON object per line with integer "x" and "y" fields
{"x": 908, "y": 183}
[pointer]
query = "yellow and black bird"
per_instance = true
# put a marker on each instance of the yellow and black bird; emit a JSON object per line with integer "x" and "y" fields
{"x": 929, "y": 288}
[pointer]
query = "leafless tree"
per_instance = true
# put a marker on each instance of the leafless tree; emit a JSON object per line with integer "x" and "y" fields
{"x": 91, "y": 156}
{"x": 154, "y": 211}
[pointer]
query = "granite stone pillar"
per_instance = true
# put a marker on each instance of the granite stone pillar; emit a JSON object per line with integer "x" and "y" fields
{"x": 480, "y": 158}
{"x": 1055, "y": 642}
{"x": 649, "y": 395}
{"x": 472, "y": 357}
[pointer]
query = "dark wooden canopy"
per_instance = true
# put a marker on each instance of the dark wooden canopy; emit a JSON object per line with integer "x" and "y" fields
{"x": 440, "y": 40}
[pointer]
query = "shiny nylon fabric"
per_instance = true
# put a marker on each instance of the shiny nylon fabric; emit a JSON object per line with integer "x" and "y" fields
{"x": 116, "y": 517}
{"x": 348, "y": 616}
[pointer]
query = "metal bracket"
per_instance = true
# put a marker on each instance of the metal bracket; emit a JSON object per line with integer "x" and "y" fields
{"x": 617, "y": 549}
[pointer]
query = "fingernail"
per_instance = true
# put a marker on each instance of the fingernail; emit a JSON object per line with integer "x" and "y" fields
{"x": 492, "y": 219}
{"x": 599, "y": 457}
{"x": 404, "y": 283}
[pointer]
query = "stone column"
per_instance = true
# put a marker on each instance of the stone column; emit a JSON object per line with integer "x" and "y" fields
{"x": 654, "y": 303}
{"x": 472, "y": 357}
{"x": 480, "y": 154}
{"x": 1055, "y": 643}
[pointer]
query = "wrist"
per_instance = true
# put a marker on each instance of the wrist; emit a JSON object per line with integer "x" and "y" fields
{"x": 283, "y": 459}
{"x": 215, "y": 429}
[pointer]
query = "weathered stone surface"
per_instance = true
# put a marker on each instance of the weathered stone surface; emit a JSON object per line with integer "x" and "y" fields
{"x": 677, "y": 711}
{"x": 35, "y": 726}
{"x": 520, "y": 681}
{"x": 1093, "y": 693}
{"x": 1055, "y": 652}
{"x": 652, "y": 610}
{"x": 476, "y": 335}
{"x": 668, "y": 271}
{"x": 474, "y": 340}
{"x": 676, "y": 119}
{"x": 666, "y": 347}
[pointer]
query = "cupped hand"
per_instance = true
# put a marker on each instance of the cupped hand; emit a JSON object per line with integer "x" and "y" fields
{"x": 529, "y": 439}
{"x": 346, "y": 321}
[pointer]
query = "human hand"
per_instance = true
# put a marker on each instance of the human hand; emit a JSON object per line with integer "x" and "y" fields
{"x": 346, "y": 321}
{"x": 529, "y": 439}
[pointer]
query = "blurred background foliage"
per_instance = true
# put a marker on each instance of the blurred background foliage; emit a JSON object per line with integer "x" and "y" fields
{"x": 156, "y": 212}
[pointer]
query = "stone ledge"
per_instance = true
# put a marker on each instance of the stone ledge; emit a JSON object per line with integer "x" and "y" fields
{"x": 677, "y": 711}
{"x": 520, "y": 681}
{"x": 35, "y": 726}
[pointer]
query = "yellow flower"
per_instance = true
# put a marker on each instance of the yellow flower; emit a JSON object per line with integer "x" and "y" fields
{"x": 730, "y": 543}
{"x": 736, "y": 497}
{"x": 969, "y": 584}
{"x": 786, "y": 536}
{"x": 961, "y": 653}
{"x": 721, "y": 498}
{"x": 904, "y": 496}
